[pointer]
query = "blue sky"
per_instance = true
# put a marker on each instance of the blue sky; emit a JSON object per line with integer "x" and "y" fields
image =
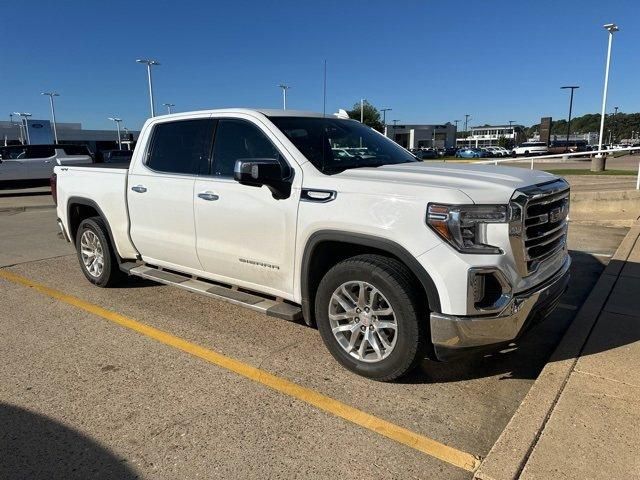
{"x": 431, "y": 61}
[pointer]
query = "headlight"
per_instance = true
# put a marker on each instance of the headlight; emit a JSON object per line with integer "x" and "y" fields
{"x": 464, "y": 226}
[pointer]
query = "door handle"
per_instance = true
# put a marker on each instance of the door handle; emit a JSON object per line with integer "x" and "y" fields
{"x": 209, "y": 196}
{"x": 139, "y": 188}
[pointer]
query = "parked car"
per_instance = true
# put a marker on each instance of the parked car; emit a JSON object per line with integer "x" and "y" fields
{"x": 530, "y": 148}
{"x": 472, "y": 152}
{"x": 36, "y": 162}
{"x": 562, "y": 146}
{"x": 426, "y": 154}
{"x": 117, "y": 156}
{"x": 389, "y": 257}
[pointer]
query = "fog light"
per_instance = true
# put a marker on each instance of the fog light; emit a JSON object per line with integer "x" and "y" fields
{"x": 489, "y": 290}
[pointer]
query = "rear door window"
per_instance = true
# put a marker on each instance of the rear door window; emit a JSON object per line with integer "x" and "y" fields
{"x": 181, "y": 147}
{"x": 40, "y": 151}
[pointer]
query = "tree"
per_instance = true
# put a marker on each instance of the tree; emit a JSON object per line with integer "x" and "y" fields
{"x": 371, "y": 115}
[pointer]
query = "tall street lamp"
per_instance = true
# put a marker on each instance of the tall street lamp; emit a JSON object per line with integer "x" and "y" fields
{"x": 615, "y": 124}
{"x": 149, "y": 63}
{"x": 284, "y": 88}
{"x": 53, "y": 112}
{"x": 513, "y": 131}
{"x": 169, "y": 105}
{"x": 362, "y": 110}
{"x": 25, "y": 116}
{"x": 384, "y": 118}
{"x": 117, "y": 121}
{"x": 599, "y": 161}
{"x": 466, "y": 125}
{"x": 570, "y": 109}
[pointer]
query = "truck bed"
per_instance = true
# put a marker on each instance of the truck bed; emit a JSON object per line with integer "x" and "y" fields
{"x": 102, "y": 186}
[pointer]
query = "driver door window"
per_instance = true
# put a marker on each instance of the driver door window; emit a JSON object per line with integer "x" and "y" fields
{"x": 237, "y": 139}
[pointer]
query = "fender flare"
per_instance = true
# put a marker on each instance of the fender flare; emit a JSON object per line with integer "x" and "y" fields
{"x": 378, "y": 243}
{"x": 90, "y": 203}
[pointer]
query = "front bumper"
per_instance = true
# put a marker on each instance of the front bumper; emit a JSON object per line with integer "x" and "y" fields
{"x": 454, "y": 336}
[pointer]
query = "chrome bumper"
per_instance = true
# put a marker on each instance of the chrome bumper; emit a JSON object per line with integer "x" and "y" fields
{"x": 453, "y": 336}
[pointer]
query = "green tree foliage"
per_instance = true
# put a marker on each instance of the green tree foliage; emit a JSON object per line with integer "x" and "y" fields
{"x": 371, "y": 115}
{"x": 621, "y": 125}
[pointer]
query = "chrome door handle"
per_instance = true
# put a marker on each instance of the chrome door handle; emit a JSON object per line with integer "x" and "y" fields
{"x": 139, "y": 188}
{"x": 209, "y": 196}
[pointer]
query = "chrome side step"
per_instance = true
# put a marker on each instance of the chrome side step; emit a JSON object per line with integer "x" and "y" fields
{"x": 272, "y": 308}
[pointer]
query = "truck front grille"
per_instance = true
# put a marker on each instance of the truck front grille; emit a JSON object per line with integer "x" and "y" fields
{"x": 538, "y": 225}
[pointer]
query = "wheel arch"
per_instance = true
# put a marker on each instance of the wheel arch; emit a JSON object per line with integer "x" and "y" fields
{"x": 349, "y": 244}
{"x": 80, "y": 208}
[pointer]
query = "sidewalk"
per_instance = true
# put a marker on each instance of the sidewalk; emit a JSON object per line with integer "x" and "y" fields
{"x": 25, "y": 199}
{"x": 581, "y": 418}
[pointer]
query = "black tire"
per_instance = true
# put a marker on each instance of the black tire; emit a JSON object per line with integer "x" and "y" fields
{"x": 110, "y": 274}
{"x": 396, "y": 283}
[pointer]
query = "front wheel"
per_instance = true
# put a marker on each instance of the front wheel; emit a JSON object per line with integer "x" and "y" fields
{"x": 369, "y": 316}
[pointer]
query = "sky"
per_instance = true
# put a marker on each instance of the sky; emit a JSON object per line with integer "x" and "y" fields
{"x": 430, "y": 61}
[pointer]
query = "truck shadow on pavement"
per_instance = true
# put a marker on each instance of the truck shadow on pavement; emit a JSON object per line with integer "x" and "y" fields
{"x": 34, "y": 446}
{"x": 525, "y": 358}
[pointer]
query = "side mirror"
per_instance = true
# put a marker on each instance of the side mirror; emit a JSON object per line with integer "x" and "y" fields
{"x": 256, "y": 172}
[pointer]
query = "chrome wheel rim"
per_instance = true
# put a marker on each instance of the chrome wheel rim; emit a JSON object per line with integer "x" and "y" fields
{"x": 91, "y": 253}
{"x": 363, "y": 321}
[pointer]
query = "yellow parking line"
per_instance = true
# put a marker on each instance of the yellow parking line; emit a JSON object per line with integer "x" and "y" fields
{"x": 406, "y": 437}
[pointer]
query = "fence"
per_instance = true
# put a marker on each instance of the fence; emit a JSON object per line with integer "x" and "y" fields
{"x": 563, "y": 157}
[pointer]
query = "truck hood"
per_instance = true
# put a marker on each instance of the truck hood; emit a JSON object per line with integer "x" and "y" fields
{"x": 482, "y": 183}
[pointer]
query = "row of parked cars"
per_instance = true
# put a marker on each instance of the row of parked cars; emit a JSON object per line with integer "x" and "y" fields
{"x": 26, "y": 163}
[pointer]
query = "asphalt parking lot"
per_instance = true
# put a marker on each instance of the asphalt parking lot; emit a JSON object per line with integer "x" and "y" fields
{"x": 85, "y": 395}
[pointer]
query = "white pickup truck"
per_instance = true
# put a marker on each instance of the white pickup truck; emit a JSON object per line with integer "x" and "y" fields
{"x": 391, "y": 258}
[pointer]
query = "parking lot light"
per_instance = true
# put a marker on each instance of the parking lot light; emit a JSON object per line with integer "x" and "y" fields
{"x": 53, "y": 113}
{"x": 284, "y": 88}
{"x": 598, "y": 163}
{"x": 25, "y": 116}
{"x": 117, "y": 122}
{"x": 169, "y": 105}
{"x": 149, "y": 63}
{"x": 570, "y": 108}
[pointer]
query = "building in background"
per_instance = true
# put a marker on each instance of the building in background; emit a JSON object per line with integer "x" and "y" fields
{"x": 12, "y": 133}
{"x": 490, "y": 136}
{"x": 423, "y": 136}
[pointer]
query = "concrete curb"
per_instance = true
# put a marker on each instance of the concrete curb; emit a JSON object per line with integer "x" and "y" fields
{"x": 24, "y": 209}
{"x": 511, "y": 451}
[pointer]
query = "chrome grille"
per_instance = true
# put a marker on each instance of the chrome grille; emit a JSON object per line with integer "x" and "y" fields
{"x": 538, "y": 226}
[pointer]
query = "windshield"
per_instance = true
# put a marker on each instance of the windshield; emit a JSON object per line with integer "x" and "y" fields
{"x": 333, "y": 145}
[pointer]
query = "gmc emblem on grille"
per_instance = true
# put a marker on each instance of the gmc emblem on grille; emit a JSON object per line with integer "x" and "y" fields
{"x": 559, "y": 213}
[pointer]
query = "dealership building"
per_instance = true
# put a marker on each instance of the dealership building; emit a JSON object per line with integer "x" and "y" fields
{"x": 40, "y": 132}
{"x": 422, "y": 136}
{"x": 489, "y": 136}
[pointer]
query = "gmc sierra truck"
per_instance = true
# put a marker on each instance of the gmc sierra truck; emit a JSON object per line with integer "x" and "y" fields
{"x": 393, "y": 259}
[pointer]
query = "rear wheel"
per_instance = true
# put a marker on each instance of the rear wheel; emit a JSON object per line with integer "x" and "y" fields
{"x": 95, "y": 253}
{"x": 368, "y": 314}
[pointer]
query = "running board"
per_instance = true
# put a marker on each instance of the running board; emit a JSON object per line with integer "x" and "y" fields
{"x": 272, "y": 308}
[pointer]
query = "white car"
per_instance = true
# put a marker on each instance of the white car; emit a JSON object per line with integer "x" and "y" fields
{"x": 36, "y": 162}
{"x": 391, "y": 258}
{"x": 530, "y": 148}
{"x": 494, "y": 151}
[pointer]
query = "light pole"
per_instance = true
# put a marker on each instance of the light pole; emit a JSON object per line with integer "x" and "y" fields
{"x": 570, "y": 109}
{"x": 513, "y": 131}
{"x": 169, "y": 105}
{"x": 117, "y": 121}
{"x": 53, "y": 113}
{"x": 362, "y": 110}
{"x": 149, "y": 63}
{"x": 615, "y": 124}
{"x": 466, "y": 125}
{"x": 384, "y": 118}
{"x": 284, "y": 88}
{"x": 25, "y": 117}
{"x": 598, "y": 163}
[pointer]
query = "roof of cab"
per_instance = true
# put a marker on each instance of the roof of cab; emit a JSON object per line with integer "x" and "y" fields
{"x": 264, "y": 111}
